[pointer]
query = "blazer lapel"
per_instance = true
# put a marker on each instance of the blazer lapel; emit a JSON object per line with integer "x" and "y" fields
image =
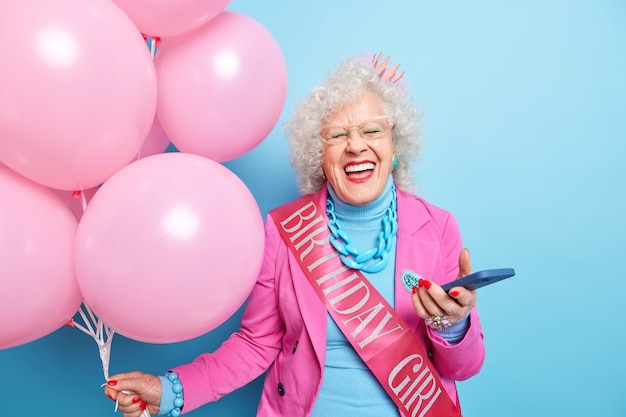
{"x": 415, "y": 252}
{"x": 313, "y": 311}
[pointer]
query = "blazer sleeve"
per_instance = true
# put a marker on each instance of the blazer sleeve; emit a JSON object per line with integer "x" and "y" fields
{"x": 464, "y": 359}
{"x": 247, "y": 353}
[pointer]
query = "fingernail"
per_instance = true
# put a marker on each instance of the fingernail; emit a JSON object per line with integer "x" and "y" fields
{"x": 143, "y": 405}
{"x": 136, "y": 400}
{"x": 454, "y": 293}
{"x": 111, "y": 397}
{"x": 420, "y": 283}
{"x": 414, "y": 289}
{"x": 427, "y": 284}
{"x": 112, "y": 383}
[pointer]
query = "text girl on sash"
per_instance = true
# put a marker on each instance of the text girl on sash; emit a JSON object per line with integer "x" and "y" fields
{"x": 353, "y": 140}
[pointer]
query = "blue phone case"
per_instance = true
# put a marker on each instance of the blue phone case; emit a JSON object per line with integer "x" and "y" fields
{"x": 480, "y": 279}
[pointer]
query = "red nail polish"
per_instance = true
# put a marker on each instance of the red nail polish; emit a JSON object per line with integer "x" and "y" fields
{"x": 414, "y": 290}
{"x": 111, "y": 397}
{"x": 136, "y": 400}
{"x": 112, "y": 383}
{"x": 143, "y": 405}
{"x": 420, "y": 283}
{"x": 427, "y": 284}
{"x": 454, "y": 293}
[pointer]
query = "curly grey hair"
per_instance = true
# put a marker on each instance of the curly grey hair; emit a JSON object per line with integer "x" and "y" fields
{"x": 351, "y": 79}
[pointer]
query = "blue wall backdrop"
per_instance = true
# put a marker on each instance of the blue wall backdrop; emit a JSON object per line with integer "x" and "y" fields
{"x": 524, "y": 139}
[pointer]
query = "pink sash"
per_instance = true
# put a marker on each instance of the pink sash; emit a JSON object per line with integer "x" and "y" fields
{"x": 377, "y": 333}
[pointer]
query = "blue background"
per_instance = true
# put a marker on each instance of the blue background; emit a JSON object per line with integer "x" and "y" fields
{"x": 524, "y": 132}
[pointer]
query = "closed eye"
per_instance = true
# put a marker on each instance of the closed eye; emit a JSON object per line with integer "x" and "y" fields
{"x": 337, "y": 135}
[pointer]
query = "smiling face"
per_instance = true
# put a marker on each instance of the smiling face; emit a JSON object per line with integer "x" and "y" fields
{"x": 358, "y": 168}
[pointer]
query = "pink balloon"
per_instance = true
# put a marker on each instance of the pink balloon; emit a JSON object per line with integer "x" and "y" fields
{"x": 221, "y": 87}
{"x": 169, "y": 248}
{"x": 155, "y": 142}
{"x": 77, "y": 90}
{"x": 38, "y": 288}
{"x": 170, "y": 17}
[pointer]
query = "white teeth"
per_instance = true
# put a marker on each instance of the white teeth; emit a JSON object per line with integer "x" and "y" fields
{"x": 359, "y": 167}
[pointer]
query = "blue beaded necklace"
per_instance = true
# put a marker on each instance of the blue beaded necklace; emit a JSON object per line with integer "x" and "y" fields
{"x": 375, "y": 259}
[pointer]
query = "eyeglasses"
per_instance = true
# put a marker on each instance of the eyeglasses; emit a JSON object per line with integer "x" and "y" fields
{"x": 371, "y": 129}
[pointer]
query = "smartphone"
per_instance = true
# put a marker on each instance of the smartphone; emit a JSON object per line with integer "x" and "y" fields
{"x": 480, "y": 279}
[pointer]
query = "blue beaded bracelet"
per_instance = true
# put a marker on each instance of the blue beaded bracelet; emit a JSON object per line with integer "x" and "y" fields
{"x": 177, "y": 388}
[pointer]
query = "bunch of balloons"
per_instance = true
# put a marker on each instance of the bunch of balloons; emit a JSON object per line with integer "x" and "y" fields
{"x": 162, "y": 246}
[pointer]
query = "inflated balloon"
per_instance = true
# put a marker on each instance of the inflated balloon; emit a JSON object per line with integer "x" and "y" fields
{"x": 156, "y": 141}
{"x": 221, "y": 87}
{"x": 77, "y": 90}
{"x": 170, "y": 17}
{"x": 169, "y": 248}
{"x": 38, "y": 288}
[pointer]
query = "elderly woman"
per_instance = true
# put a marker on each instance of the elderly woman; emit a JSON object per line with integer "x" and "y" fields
{"x": 347, "y": 314}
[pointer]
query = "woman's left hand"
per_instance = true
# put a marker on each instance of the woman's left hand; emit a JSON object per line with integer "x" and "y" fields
{"x": 134, "y": 392}
{"x": 430, "y": 300}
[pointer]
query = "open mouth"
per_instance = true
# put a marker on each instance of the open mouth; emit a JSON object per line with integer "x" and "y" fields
{"x": 357, "y": 171}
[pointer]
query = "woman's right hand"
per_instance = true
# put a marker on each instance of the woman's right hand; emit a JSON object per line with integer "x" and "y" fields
{"x": 145, "y": 389}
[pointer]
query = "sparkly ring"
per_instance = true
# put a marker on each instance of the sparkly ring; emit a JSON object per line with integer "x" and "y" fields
{"x": 438, "y": 322}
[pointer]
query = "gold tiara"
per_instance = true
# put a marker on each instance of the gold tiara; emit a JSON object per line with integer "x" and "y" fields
{"x": 381, "y": 68}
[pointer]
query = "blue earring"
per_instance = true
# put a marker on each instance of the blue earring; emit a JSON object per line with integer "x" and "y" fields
{"x": 395, "y": 162}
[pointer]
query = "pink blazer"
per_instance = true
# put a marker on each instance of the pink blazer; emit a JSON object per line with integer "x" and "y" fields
{"x": 283, "y": 327}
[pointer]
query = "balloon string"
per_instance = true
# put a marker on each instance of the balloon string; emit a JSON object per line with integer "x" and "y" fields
{"x": 103, "y": 335}
{"x": 80, "y": 194}
{"x": 86, "y": 321}
{"x": 83, "y": 201}
{"x": 100, "y": 332}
